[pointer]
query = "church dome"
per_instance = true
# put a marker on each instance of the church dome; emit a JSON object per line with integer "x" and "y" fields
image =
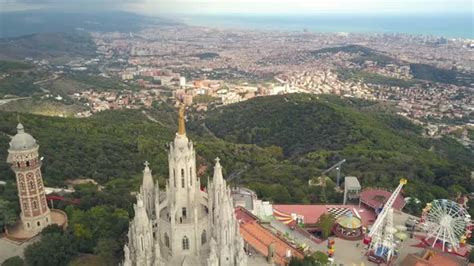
{"x": 22, "y": 140}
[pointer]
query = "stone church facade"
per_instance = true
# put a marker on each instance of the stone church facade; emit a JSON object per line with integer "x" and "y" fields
{"x": 184, "y": 225}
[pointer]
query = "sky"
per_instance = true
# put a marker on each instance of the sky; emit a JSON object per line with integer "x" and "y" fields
{"x": 159, "y": 7}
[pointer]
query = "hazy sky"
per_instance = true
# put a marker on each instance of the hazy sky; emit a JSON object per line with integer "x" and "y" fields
{"x": 248, "y": 6}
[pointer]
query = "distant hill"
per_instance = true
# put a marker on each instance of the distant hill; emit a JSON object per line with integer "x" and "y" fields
{"x": 49, "y": 46}
{"x": 364, "y": 54}
{"x": 10, "y": 66}
{"x": 434, "y": 74}
{"x": 419, "y": 71}
{"x": 18, "y": 78}
{"x": 42, "y": 21}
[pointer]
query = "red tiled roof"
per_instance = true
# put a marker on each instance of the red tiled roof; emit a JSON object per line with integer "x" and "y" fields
{"x": 432, "y": 259}
{"x": 260, "y": 238}
{"x": 369, "y": 197}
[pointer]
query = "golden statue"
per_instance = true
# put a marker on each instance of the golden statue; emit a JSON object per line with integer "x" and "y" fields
{"x": 181, "y": 127}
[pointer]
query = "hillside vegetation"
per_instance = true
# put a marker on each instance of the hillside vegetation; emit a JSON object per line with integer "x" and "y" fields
{"x": 277, "y": 143}
{"x": 7, "y": 66}
{"x": 363, "y": 54}
{"x": 319, "y": 131}
{"x": 419, "y": 71}
{"x": 58, "y": 47}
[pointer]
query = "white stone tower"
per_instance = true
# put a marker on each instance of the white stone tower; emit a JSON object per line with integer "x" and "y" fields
{"x": 24, "y": 160}
{"x": 184, "y": 225}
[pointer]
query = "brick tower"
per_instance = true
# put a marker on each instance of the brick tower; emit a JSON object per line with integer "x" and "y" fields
{"x": 24, "y": 160}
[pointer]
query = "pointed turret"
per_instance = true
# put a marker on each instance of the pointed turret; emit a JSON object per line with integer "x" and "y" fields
{"x": 218, "y": 179}
{"x": 148, "y": 191}
{"x": 147, "y": 177}
{"x": 181, "y": 124}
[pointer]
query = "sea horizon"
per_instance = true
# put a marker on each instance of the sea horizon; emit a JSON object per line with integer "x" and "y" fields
{"x": 447, "y": 25}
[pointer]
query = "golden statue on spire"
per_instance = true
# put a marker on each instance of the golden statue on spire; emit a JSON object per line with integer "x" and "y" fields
{"x": 181, "y": 127}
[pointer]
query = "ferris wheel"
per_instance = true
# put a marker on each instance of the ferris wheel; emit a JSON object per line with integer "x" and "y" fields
{"x": 447, "y": 223}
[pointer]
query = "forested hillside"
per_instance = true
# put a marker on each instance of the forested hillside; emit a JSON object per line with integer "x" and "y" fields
{"x": 317, "y": 131}
{"x": 279, "y": 142}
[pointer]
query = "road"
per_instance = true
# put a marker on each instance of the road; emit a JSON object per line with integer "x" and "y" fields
{"x": 4, "y": 101}
{"x": 53, "y": 77}
{"x": 152, "y": 119}
{"x": 8, "y": 249}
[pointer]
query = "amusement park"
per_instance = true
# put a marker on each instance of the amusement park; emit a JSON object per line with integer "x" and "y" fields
{"x": 370, "y": 228}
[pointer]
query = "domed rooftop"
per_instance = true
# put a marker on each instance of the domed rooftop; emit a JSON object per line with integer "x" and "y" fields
{"x": 22, "y": 140}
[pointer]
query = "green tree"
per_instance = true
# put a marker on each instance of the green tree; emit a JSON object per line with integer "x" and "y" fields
{"x": 320, "y": 256}
{"x": 326, "y": 223}
{"x": 52, "y": 249}
{"x": 7, "y": 214}
{"x": 413, "y": 207}
{"x": 14, "y": 261}
{"x": 109, "y": 249}
{"x": 308, "y": 260}
{"x": 52, "y": 229}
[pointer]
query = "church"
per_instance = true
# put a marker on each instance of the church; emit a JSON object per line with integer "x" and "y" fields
{"x": 183, "y": 225}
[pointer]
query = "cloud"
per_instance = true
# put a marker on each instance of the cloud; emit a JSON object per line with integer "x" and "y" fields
{"x": 248, "y": 6}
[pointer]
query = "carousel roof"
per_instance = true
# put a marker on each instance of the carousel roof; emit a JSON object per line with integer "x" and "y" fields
{"x": 350, "y": 222}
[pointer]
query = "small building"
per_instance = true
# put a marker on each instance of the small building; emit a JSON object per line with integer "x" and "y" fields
{"x": 351, "y": 188}
{"x": 375, "y": 198}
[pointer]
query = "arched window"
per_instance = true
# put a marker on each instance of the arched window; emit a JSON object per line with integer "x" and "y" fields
{"x": 203, "y": 237}
{"x": 22, "y": 185}
{"x": 182, "y": 178}
{"x": 141, "y": 238}
{"x": 27, "y": 163}
{"x": 184, "y": 212}
{"x": 32, "y": 184}
{"x": 167, "y": 240}
{"x": 182, "y": 173}
{"x": 35, "y": 205}
{"x": 25, "y": 205}
{"x": 185, "y": 243}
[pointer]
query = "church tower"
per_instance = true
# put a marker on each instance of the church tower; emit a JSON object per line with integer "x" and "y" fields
{"x": 184, "y": 225}
{"x": 24, "y": 160}
{"x": 185, "y": 205}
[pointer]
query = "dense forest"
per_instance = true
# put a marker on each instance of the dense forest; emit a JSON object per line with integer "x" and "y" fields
{"x": 315, "y": 132}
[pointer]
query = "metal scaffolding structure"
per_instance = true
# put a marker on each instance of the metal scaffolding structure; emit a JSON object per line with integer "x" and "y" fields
{"x": 382, "y": 244}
